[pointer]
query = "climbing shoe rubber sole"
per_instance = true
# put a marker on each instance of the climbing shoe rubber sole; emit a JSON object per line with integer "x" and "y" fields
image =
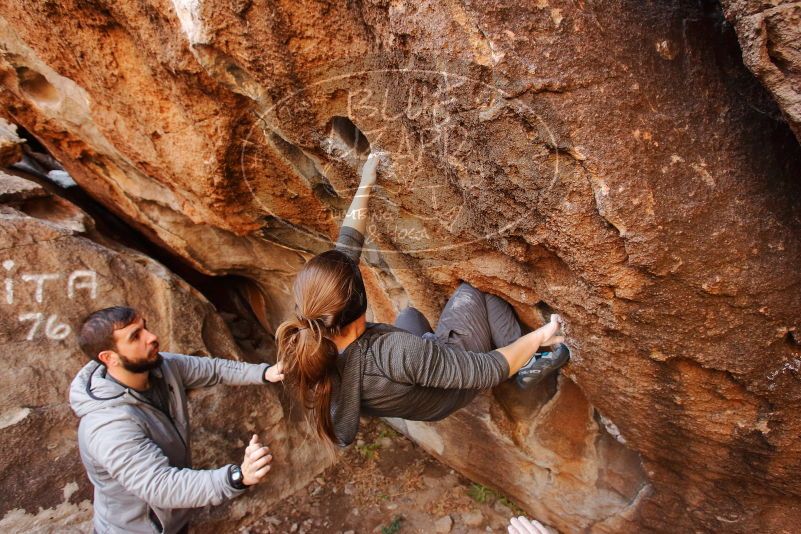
{"x": 542, "y": 365}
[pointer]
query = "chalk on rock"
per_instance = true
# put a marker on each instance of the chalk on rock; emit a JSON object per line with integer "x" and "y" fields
{"x": 62, "y": 179}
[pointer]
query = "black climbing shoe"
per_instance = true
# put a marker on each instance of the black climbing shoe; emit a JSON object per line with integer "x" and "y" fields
{"x": 541, "y": 365}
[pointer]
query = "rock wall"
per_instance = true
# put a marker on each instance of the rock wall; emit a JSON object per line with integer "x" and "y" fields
{"x": 56, "y": 269}
{"x": 616, "y": 163}
{"x": 770, "y": 36}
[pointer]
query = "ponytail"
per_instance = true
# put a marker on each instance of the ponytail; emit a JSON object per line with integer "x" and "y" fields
{"x": 328, "y": 292}
{"x": 309, "y": 362}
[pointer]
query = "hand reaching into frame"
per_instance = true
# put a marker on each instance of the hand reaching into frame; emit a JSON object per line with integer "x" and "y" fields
{"x": 523, "y": 525}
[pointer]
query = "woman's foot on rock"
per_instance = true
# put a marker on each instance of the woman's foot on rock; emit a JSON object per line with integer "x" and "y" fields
{"x": 542, "y": 365}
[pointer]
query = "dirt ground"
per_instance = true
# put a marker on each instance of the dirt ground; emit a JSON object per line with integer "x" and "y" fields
{"x": 385, "y": 484}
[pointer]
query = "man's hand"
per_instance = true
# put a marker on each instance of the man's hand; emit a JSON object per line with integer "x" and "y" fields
{"x": 369, "y": 170}
{"x": 256, "y": 463}
{"x": 523, "y": 525}
{"x": 549, "y": 331}
{"x": 274, "y": 373}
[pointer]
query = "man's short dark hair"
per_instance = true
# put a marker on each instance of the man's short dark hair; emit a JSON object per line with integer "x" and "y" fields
{"x": 97, "y": 330}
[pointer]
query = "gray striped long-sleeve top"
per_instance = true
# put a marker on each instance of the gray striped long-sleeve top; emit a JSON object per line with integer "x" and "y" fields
{"x": 389, "y": 372}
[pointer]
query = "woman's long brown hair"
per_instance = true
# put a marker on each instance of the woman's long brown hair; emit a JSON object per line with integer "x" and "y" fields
{"x": 322, "y": 290}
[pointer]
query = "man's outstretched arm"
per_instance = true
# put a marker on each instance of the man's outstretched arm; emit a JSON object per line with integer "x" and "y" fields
{"x": 200, "y": 371}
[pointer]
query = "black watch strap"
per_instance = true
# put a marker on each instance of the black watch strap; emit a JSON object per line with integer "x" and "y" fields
{"x": 236, "y": 478}
{"x": 264, "y": 373}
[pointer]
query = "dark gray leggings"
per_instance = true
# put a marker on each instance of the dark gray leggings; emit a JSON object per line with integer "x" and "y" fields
{"x": 472, "y": 320}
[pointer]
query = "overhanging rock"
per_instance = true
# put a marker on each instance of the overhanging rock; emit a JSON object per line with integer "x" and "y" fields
{"x": 617, "y": 164}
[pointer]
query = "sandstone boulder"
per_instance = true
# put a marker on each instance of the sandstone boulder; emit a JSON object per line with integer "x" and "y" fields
{"x": 616, "y": 163}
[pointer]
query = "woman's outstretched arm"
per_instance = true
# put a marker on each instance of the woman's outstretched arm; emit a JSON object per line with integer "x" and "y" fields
{"x": 519, "y": 352}
{"x": 356, "y": 216}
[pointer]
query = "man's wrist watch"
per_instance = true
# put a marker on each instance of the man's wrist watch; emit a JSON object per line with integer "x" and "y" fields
{"x": 236, "y": 478}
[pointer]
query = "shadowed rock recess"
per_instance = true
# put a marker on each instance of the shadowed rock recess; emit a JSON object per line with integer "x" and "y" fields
{"x": 615, "y": 162}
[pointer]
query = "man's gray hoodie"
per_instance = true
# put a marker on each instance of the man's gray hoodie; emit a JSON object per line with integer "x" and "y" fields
{"x": 138, "y": 457}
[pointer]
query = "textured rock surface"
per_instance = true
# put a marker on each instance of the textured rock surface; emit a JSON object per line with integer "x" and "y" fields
{"x": 549, "y": 451}
{"x": 616, "y": 163}
{"x": 10, "y": 144}
{"x": 56, "y": 269}
{"x": 770, "y": 36}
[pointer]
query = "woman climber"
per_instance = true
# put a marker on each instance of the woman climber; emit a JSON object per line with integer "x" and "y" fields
{"x": 344, "y": 366}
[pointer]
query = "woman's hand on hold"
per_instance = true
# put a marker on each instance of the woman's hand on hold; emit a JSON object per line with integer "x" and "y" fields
{"x": 369, "y": 170}
{"x": 548, "y": 333}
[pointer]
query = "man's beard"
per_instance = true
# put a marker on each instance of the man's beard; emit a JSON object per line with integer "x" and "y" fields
{"x": 140, "y": 367}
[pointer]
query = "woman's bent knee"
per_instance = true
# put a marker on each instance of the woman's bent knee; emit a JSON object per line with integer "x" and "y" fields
{"x": 412, "y": 320}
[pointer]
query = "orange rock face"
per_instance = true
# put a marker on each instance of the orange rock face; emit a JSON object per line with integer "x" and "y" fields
{"x": 617, "y": 164}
